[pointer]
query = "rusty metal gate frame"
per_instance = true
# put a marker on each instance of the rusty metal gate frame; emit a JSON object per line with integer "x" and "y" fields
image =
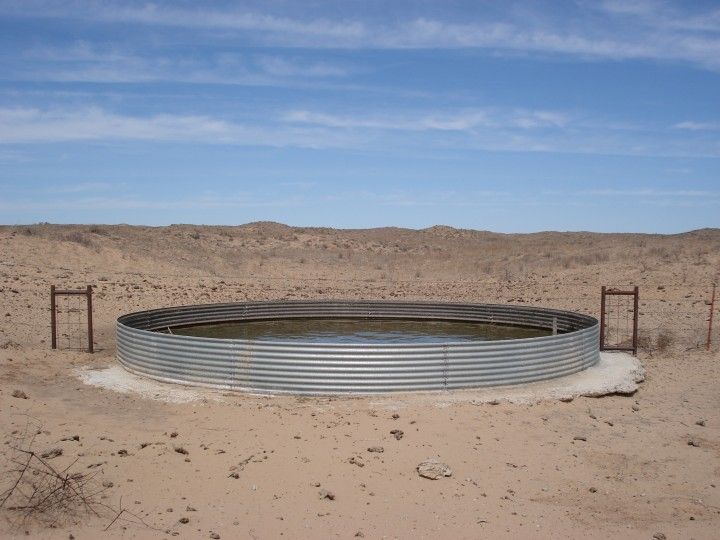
{"x": 608, "y": 291}
{"x": 54, "y": 293}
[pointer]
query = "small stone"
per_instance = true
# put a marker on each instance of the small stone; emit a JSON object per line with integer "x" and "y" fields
{"x": 169, "y": 510}
{"x": 395, "y": 416}
{"x": 107, "y": 484}
{"x": 19, "y": 394}
{"x": 433, "y": 469}
{"x": 184, "y": 520}
{"x": 659, "y": 536}
{"x": 635, "y": 408}
{"x": 297, "y": 437}
{"x": 173, "y": 434}
{"x": 122, "y": 452}
{"x": 325, "y": 494}
{"x": 181, "y": 450}
{"x": 355, "y": 460}
{"x": 190, "y": 509}
{"x": 52, "y": 453}
{"x": 579, "y": 438}
{"x": 359, "y": 534}
{"x": 214, "y": 536}
{"x": 566, "y": 399}
{"x": 700, "y": 422}
{"x": 398, "y": 433}
{"x": 234, "y": 475}
{"x": 376, "y": 449}
{"x": 592, "y": 490}
{"x": 694, "y": 442}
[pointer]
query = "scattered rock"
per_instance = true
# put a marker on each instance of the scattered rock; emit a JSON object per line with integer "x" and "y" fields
{"x": 592, "y": 490}
{"x": 635, "y": 408}
{"x": 325, "y": 494}
{"x": 700, "y": 422}
{"x": 376, "y": 449}
{"x": 659, "y": 536}
{"x": 173, "y": 434}
{"x": 359, "y": 534}
{"x": 395, "y": 416}
{"x": 107, "y": 484}
{"x": 580, "y": 438}
{"x": 184, "y": 520}
{"x": 356, "y": 460}
{"x": 122, "y": 452}
{"x": 190, "y": 509}
{"x": 433, "y": 469}
{"x": 181, "y": 450}
{"x": 398, "y": 433}
{"x": 214, "y": 536}
{"x": 19, "y": 394}
{"x": 52, "y": 453}
{"x": 694, "y": 442}
{"x": 566, "y": 399}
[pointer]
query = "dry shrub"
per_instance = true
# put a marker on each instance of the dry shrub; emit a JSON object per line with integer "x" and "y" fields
{"x": 664, "y": 341}
{"x": 36, "y": 491}
{"x": 95, "y": 229}
{"x": 78, "y": 238}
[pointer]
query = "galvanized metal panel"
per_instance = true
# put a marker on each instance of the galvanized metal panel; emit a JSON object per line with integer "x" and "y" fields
{"x": 329, "y": 368}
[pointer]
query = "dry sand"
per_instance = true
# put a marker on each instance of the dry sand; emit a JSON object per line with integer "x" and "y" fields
{"x": 615, "y": 466}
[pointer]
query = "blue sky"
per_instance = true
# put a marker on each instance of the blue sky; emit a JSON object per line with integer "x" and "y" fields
{"x": 512, "y": 117}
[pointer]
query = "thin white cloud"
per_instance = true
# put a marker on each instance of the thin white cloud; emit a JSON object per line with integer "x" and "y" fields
{"x": 462, "y": 121}
{"x": 82, "y": 187}
{"x": 286, "y": 67}
{"x": 31, "y": 125}
{"x": 144, "y": 203}
{"x": 627, "y": 30}
{"x": 697, "y": 126}
{"x": 651, "y": 192}
{"x": 494, "y": 130}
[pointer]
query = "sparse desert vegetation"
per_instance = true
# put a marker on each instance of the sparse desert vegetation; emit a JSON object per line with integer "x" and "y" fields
{"x": 234, "y": 466}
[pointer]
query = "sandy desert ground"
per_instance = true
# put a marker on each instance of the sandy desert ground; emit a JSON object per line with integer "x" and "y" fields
{"x": 640, "y": 466}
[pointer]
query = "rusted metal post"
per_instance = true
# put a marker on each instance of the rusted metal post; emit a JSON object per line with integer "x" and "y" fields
{"x": 53, "y": 321}
{"x": 710, "y": 319}
{"x": 89, "y": 319}
{"x": 636, "y": 315}
{"x": 602, "y": 318}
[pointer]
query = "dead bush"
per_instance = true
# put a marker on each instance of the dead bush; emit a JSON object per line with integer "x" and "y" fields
{"x": 35, "y": 490}
{"x": 78, "y": 238}
{"x": 664, "y": 341}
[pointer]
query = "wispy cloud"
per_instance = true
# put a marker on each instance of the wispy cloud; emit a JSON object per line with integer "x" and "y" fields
{"x": 32, "y": 125}
{"x": 456, "y": 121}
{"x": 84, "y": 61}
{"x": 629, "y": 30}
{"x": 492, "y": 129}
{"x": 698, "y": 126}
{"x": 651, "y": 192}
{"x": 82, "y": 187}
{"x": 134, "y": 202}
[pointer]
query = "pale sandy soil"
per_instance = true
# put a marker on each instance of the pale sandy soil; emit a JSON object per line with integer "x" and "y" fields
{"x": 518, "y": 470}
